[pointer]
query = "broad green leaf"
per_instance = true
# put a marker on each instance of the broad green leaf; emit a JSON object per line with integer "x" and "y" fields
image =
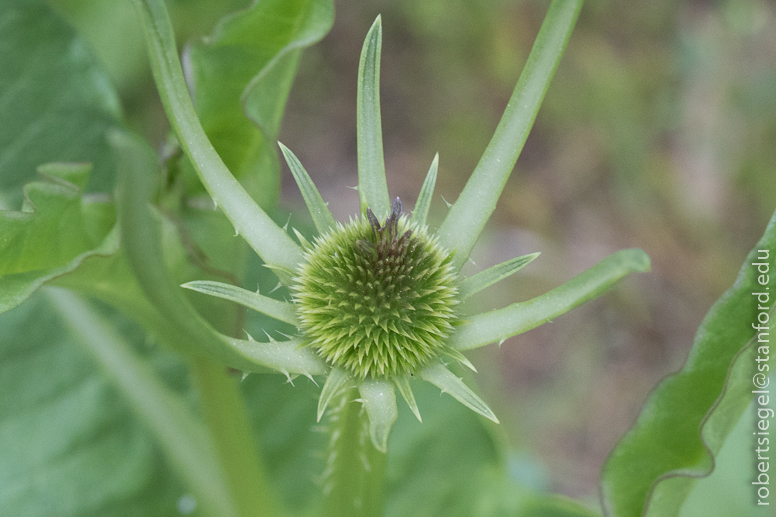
{"x": 70, "y": 445}
{"x": 241, "y": 76}
{"x": 183, "y": 439}
{"x": 54, "y": 232}
{"x": 55, "y": 102}
{"x": 729, "y": 490}
{"x": 471, "y": 210}
{"x": 686, "y": 419}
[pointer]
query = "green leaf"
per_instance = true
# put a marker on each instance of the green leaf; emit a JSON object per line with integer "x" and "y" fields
{"x": 54, "y": 233}
{"x": 242, "y": 74}
{"x": 729, "y": 490}
{"x": 70, "y": 445}
{"x": 372, "y": 186}
{"x": 183, "y": 439}
{"x": 403, "y": 384}
{"x": 500, "y": 324}
{"x": 686, "y": 418}
{"x": 490, "y": 276}
{"x": 468, "y": 215}
{"x": 55, "y": 102}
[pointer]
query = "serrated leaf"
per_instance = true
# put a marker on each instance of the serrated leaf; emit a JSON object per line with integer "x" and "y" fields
{"x": 686, "y": 418}
{"x": 55, "y": 231}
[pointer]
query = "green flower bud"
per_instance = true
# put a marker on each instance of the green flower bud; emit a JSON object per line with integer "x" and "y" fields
{"x": 377, "y": 300}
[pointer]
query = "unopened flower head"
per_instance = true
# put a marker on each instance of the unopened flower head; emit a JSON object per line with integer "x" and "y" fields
{"x": 377, "y": 299}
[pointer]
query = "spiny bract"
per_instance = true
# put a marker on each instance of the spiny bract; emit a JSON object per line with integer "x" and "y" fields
{"x": 375, "y": 300}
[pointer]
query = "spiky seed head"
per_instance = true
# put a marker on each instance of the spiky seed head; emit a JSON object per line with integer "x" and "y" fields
{"x": 377, "y": 300}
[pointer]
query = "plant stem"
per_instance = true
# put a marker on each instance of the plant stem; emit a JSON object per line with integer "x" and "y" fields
{"x": 225, "y": 416}
{"x": 355, "y": 469}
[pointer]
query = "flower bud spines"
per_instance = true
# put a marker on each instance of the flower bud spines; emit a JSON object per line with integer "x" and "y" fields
{"x": 377, "y": 300}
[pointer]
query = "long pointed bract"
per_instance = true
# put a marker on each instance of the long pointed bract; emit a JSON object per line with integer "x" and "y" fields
{"x": 468, "y": 215}
{"x": 272, "y": 244}
{"x": 372, "y": 186}
{"x": 286, "y": 357}
{"x": 379, "y": 401}
{"x": 445, "y": 380}
{"x": 403, "y": 383}
{"x": 420, "y": 213}
{"x": 495, "y": 326}
{"x": 318, "y": 210}
{"x": 334, "y": 383}
{"x": 282, "y": 311}
{"x": 490, "y": 276}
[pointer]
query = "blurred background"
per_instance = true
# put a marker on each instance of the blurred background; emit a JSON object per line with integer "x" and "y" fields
{"x": 658, "y": 132}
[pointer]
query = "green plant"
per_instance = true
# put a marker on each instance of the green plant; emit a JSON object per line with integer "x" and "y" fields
{"x": 133, "y": 255}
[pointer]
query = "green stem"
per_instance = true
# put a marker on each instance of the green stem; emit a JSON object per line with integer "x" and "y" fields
{"x": 225, "y": 416}
{"x": 355, "y": 469}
